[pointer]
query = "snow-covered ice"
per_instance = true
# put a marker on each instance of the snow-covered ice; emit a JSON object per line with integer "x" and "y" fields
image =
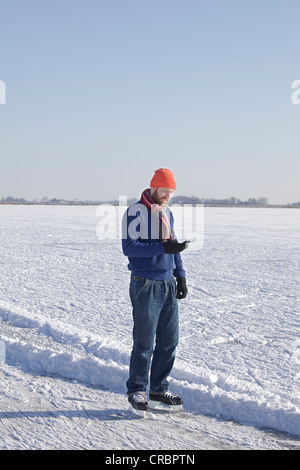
{"x": 65, "y": 320}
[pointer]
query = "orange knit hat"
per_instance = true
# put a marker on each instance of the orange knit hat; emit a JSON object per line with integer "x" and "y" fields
{"x": 163, "y": 178}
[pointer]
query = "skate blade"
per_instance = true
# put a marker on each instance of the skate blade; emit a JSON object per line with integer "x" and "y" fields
{"x": 159, "y": 406}
{"x": 141, "y": 413}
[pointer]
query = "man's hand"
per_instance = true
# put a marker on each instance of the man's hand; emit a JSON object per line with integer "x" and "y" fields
{"x": 172, "y": 246}
{"x": 182, "y": 289}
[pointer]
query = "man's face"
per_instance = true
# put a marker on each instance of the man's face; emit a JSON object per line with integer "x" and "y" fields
{"x": 162, "y": 195}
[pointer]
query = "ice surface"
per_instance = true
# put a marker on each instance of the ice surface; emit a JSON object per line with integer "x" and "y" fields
{"x": 65, "y": 319}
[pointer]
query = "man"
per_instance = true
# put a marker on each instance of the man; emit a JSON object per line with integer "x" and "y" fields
{"x": 154, "y": 261}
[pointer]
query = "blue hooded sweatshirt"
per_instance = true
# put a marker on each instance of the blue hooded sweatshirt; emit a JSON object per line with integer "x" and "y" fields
{"x": 143, "y": 247}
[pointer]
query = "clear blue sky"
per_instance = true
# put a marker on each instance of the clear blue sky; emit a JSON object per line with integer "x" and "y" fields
{"x": 100, "y": 93}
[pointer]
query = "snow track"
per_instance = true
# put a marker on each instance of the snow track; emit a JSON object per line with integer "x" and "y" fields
{"x": 44, "y": 412}
{"x": 39, "y": 349}
{"x": 42, "y": 349}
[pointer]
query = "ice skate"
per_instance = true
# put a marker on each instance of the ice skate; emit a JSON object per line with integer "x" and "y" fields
{"x": 165, "y": 402}
{"x": 138, "y": 404}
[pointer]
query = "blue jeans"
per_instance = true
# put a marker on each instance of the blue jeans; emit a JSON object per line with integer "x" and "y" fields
{"x": 155, "y": 316}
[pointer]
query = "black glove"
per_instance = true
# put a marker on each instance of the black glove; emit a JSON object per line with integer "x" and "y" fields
{"x": 182, "y": 290}
{"x": 172, "y": 246}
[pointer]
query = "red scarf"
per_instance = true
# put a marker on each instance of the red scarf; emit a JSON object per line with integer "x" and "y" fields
{"x": 158, "y": 211}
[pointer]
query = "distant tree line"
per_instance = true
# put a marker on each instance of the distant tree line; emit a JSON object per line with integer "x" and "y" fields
{"x": 232, "y": 201}
{"x": 13, "y": 199}
{"x": 21, "y": 200}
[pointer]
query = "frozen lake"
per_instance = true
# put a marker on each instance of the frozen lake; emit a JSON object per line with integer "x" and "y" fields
{"x": 65, "y": 313}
